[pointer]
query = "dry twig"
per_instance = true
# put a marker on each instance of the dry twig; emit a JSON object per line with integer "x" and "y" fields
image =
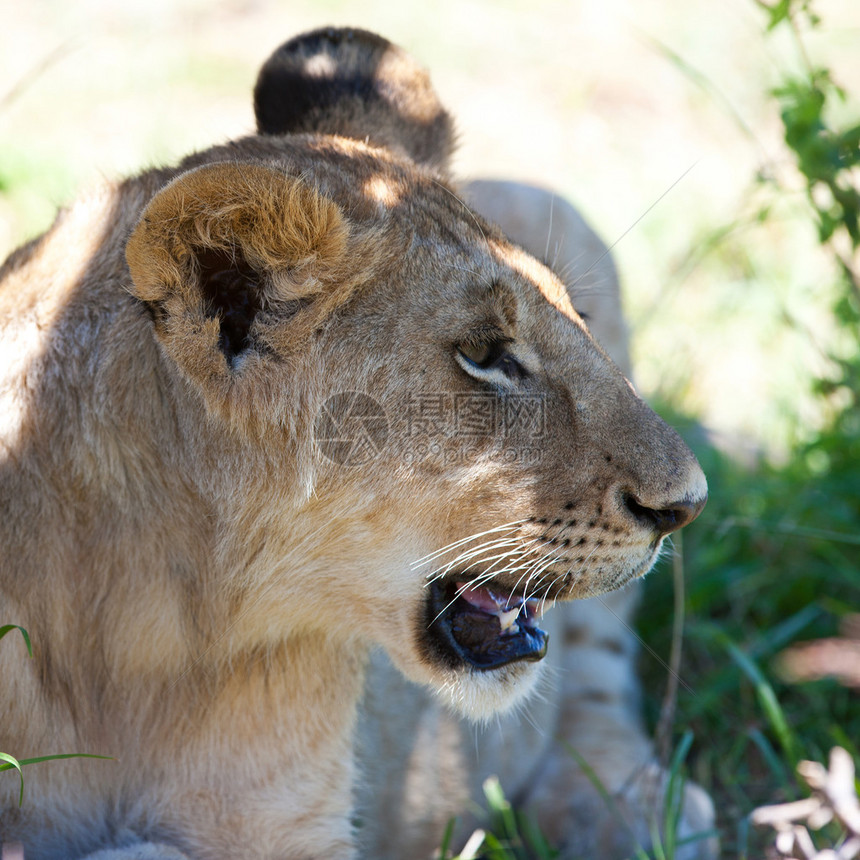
{"x": 838, "y": 657}
{"x": 834, "y": 798}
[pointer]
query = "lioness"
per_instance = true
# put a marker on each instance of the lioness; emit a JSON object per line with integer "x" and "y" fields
{"x": 263, "y": 411}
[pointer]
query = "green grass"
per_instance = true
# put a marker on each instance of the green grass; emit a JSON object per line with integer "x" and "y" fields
{"x": 773, "y": 560}
{"x": 509, "y": 835}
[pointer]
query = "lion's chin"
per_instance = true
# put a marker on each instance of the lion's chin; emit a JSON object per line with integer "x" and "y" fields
{"x": 481, "y": 695}
{"x": 479, "y": 648}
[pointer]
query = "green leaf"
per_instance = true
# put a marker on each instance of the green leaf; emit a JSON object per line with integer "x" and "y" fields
{"x": 10, "y": 763}
{"x": 7, "y": 762}
{"x": 674, "y": 798}
{"x": 41, "y": 758}
{"x": 778, "y": 13}
{"x": 7, "y": 628}
{"x": 444, "y": 848}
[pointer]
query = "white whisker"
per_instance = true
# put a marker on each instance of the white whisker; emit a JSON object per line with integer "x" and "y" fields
{"x": 430, "y": 556}
{"x": 464, "y": 559}
{"x": 549, "y": 231}
{"x": 538, "y": 569}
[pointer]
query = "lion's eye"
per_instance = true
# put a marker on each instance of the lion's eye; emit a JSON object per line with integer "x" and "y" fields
{"x": 487, "y": 357}
{"x": 480, "y": 354}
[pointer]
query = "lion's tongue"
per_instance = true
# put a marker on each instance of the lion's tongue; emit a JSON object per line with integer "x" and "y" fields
{"x": 509, "y": 610}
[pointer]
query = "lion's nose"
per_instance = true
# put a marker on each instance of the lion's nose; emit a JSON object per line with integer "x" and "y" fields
{"x": 668, "y": 518}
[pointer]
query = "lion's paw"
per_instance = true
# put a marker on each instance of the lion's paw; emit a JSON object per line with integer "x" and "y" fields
{"x": 134, "y": 850}
{"x": 622, "y": 816}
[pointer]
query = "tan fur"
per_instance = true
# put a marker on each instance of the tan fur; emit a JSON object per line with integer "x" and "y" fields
{"x": 202, "y": 584}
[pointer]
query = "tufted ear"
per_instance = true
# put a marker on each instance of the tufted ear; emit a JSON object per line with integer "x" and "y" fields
{"x": 237, "y": 263}
{"x": 355, "y": 84}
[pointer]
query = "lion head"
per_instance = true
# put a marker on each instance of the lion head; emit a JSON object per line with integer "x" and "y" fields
{"x": 407, "y": 431}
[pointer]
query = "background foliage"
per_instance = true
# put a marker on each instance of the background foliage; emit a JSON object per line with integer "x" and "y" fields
{"x": 777, "y": 559}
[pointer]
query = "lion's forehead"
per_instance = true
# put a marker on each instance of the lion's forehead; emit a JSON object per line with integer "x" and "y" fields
{"x": 440, "y": 224}
{"x": 535, "y": 274}
{"x": 445, "y": 225}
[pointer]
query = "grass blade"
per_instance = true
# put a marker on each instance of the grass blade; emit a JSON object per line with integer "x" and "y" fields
{"x": 8, "y": 628}
{"x": 764, "y": 691}
{"x": 11, "y": 762}
{"x": 41, "y": 758}
{"x": 8, "y": 762}
{"x": 445, "y": 847}
{"x": 611, "y": 805}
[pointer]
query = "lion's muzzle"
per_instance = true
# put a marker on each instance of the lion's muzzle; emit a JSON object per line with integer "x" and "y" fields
{"x": 478, "y": 626}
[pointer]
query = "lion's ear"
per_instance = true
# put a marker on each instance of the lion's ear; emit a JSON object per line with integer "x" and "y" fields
{"x": 236, "y": 263}
{"x": 356, "y": 84}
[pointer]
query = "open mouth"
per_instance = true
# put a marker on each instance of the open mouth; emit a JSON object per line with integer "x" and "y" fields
{"x": 483, "y": 626}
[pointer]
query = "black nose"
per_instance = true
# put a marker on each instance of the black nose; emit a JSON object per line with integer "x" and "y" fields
{"x": 665, "y": 520}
